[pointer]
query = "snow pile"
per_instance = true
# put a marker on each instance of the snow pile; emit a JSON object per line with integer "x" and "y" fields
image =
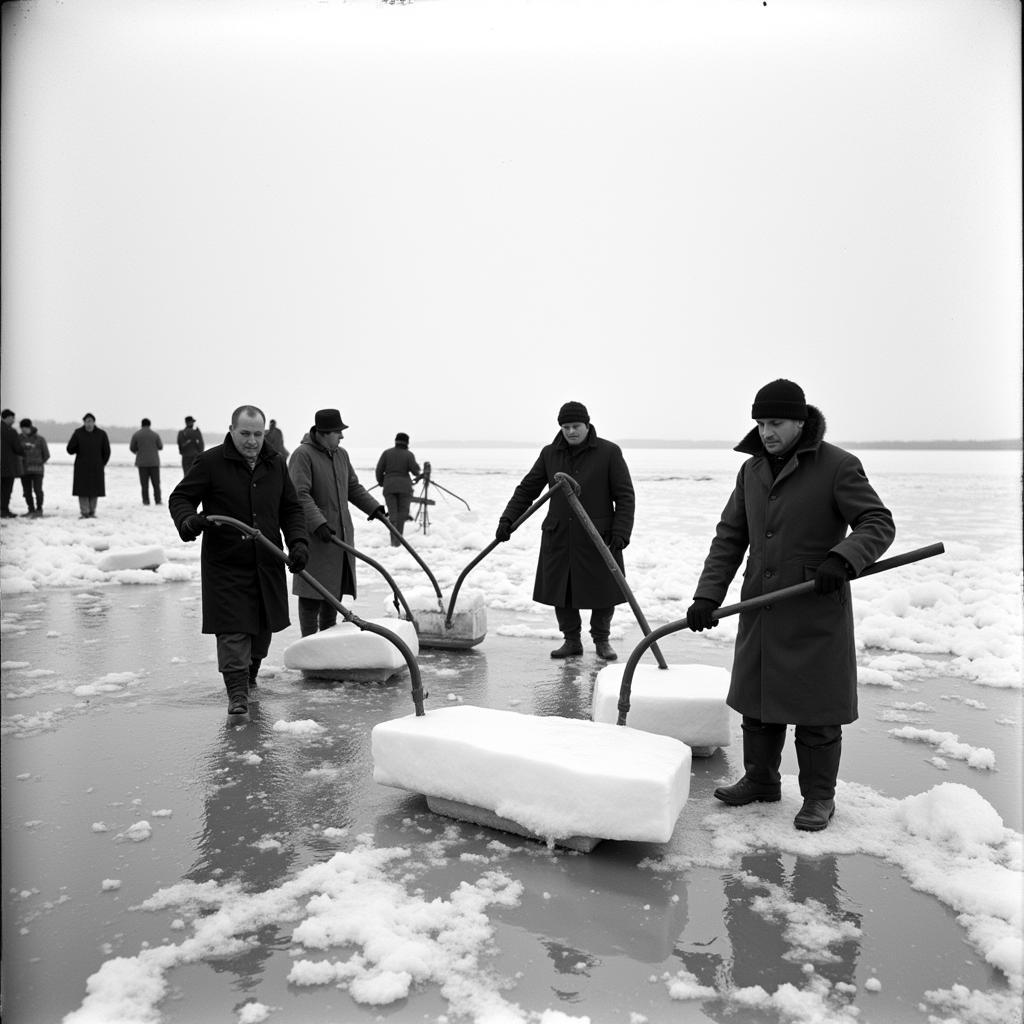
{"x": 557, "y": 777}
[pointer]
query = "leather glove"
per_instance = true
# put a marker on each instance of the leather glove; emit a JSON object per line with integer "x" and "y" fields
{"x": 298, "y": 556}
{"x": 192, "y": 526}
{"x": 323, "y": 532}
{"x": 380, "y": 512}
{"x": 504, "y": 530}
{"x": 831, "y": 575}
{"x": 617, "y": 543}
{"x": 698, "y": 615}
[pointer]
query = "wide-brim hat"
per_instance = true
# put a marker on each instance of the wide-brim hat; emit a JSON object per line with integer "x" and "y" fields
{"x": 327, "y": 420}
{"x": 190, "y": 419}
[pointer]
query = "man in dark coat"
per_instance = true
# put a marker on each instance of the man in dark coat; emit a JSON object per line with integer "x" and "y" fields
{"x": 91, "y": 449}
{"x": 146, "y": 444}
{"x": 11, "y": 454}
{"x": 397, "y": 471}
{"x": 571, "y": 574}
{"x": 245, "y": 597}
{"x": 190, "y": 443}
{"x": 795, "y": 662}
{"x": 326, "y": 483}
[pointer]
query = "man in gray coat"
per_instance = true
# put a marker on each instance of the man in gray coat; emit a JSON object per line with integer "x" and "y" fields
{"x": 146, "y": 444}
{"x": 325, "y": 483}
{"x": 794, "y": 501}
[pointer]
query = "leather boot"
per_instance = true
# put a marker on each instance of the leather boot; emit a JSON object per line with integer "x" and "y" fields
{"x": 605, "y": 651}
{"x": 570, "y": 648}
{"x": 237, "y": 685}
{"x": 761, "y": 782}
{"x": 254, "y": 667}
{"x": 818, "y": 771}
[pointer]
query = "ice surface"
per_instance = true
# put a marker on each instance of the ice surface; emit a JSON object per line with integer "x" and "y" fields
{"x": 346, "y": 646}
{"x": 683, "y": 701}
{"x": 135, "y": 558}
{"x": 558, "y": 777}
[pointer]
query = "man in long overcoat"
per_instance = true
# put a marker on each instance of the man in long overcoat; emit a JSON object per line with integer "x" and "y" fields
{"x": 795, "y": 500}
{"x": 326, "y": 483}
{"x": 245, "y": 597}
{"x": 396, "y": 472}
{"x": 190, "y": 443}
{"x": 91, "y": 449}
{"x": 11, "y": 455}
{"x": 571, "y": 574}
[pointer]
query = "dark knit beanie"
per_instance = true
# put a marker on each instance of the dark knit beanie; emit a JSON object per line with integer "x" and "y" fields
{"x": 782, "y": 399}
{"x": 401, "y": 438}
{"x": 573, "y": 412}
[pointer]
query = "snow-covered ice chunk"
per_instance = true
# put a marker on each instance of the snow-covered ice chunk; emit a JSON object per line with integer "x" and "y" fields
{"x": 557, "y": 777}
{"x": 686, "y": 702}
{"x": 346, "y": 652}
{"x": 134, "y": 558}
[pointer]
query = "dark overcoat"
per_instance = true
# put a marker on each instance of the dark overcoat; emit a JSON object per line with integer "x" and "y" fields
{"x": 240, "y": 576}
{"x": 568, "y": 556}
{"x": 11, "y": 452}
{"x": 795, "y": 661}
{"x": 325, "y": 483}
{"x": 394, "y": 468}
{"x": 91, "y": 449}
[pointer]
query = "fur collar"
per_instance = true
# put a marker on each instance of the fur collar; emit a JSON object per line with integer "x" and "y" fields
{"x": 811, "y": 438}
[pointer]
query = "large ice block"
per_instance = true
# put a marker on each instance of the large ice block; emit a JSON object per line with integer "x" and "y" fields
{"x": 133, "y": 558}
{"x": 347, "y": 652}
{"x": 556, "y": 777}
{"x": 469, "y": 618}
{"x": 686, "y": 702}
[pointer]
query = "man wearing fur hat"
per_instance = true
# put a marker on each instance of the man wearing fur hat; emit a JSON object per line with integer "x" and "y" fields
{"x": 397, "y": 471}
{"x": 794, "y": 501}
{"x": 325, "y": 483}
{"x": 571, "y": 574}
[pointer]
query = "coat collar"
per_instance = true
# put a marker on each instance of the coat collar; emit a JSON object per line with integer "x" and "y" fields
{"x": 810, "y": 439}
{"x": 231, "y": 452}
{"x": 563, "y": 445}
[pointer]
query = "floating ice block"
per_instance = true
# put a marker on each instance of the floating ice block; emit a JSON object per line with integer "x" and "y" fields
{"x": 469, "y": 619}
{"x": 686, "y": 702}
{"x": 136, "y": 558}
{"x": 347, "y": 652}
{"x": 555, "y": 777}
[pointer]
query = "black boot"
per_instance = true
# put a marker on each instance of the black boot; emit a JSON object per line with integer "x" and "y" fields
{"x": 762, "y": 755}
{"x": 254, "y": 668}
{"x": 570, "y": 648}
{"x": 605, "y": 651}
{"x": 818, "y": 771}
{"x": 237, "y": 685}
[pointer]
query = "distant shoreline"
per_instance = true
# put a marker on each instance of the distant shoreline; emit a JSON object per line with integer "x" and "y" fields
{"x": 55, "y": 432}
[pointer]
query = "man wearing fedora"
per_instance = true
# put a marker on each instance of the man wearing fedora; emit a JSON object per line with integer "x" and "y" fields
{"x": 397, "y": 471}
{"x": 245, "y": 598}
{"x": 190, "y": 443}
{"x": 326, "y": 483}
{"x": 571, "y": 574}
{"x": 802, "y": 509}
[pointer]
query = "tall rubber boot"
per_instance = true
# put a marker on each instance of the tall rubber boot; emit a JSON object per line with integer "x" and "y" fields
{"x": 237, "y": 685}
{"x": 309, "y": 615}
{"x": 818, "y": 771}
{"x": 762, "y": 756}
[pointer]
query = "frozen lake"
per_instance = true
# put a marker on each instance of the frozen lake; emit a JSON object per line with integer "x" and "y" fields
{"x": 266, "y": 852}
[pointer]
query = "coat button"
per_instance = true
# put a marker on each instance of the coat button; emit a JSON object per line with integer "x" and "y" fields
{"x": 773, "y": 497}
{"x": 769, "y": 534}
{"x": 767, "y": 607}
{"x": 769, "y": 573}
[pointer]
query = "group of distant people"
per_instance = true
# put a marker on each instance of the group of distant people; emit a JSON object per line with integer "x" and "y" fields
{"x": 801, "y": 510}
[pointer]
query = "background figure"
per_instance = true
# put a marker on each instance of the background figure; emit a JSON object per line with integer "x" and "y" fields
{"x": 245, "y": 597}
{"x": 276, "y": 440}
{"x": 190, "y": 443}
{"x": 147, "y": 444}
{"x": 91, "y": 449}
{"x": 37, "y": 454}
{"x": 325, "y": 483}
{"x": 795, "y": 661}
{"x": 393, "y": 469}
{"x": 571, "y": 574}
{"x": 10, "y": 462}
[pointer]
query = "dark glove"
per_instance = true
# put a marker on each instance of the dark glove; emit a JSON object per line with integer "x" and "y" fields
{"x": 831, "y": 575}
{"x": 192, "y": 526}
{"x": 698, "y": 615}
{"x": 298, "y": 556}
{"x": 380, "y": 512}
{"x": 323, "y": 532}
{"x": 618, "y": 542}
{"x": 504, "y": 530}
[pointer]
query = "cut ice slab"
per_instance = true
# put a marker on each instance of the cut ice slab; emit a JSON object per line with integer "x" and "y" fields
{"x": 469, "y": 620}
{"x": 136, "y": 558}
{"x": 552, "y": 778}
{"x": 686, "y": 702}
{"x": 347, "y": 652}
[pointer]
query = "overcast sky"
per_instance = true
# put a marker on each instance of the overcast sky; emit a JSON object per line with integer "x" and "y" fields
{"x": 450, "y": 216}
